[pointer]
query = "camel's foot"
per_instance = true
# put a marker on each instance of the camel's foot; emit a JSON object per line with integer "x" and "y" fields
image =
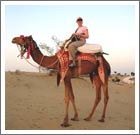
{"x": 87, "y": 119}
{"x": 65, "y": 122}
{"x": 101, "y": 120}
{"x": 75, "y": 119}
{"x": 65, "y": 125}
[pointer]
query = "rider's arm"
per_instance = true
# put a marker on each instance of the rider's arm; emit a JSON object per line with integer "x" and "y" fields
{"x": 85, "y": 35}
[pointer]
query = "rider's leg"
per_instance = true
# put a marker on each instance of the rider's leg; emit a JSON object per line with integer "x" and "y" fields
{"x": 72, "y": 49}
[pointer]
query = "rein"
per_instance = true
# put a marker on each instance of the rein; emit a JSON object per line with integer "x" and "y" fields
{"x": 53, "y": 62}
{"x": 50, "y": 64}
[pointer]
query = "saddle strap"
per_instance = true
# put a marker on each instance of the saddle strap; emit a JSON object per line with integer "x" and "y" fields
{"x": 79, "y": 66}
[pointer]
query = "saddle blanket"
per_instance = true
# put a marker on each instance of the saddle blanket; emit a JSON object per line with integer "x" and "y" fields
{"x": 90, "y": 48}
{"x": 63, "y": 57}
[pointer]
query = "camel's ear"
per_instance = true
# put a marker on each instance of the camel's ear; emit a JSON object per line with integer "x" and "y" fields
{"x": 30, "y": 36}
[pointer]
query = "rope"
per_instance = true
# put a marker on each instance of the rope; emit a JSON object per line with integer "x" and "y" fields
{"x": 26, "y": 59}
{"x": 38, "y": 67}
{"x": 41, "y": 62}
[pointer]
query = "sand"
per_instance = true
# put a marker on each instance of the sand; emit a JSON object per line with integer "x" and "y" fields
{"x": 34, "y": 102}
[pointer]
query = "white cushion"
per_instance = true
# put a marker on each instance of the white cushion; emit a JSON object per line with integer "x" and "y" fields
{"x": 90, "y": 48}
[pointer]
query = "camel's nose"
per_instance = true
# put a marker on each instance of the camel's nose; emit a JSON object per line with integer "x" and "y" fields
{"x": 13, "y": 40}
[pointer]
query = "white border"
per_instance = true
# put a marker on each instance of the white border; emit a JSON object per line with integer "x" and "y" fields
{"x": 70, "y": 2}
{"x": 137, "y": 67}
{"x": 3, "y": 39}
{"x": 65, "y": 131}
{"x": 4, "y": 3}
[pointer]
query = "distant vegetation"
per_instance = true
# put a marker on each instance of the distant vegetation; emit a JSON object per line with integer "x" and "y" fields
{"x": 50, "y": 51}
{"x": 116, "y": 77}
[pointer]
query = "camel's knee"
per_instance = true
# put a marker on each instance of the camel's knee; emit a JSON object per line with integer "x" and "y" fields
{"x": 66, "y": 99}
{"x": 106, "y": 99}
{"x": 72, "y": 98}
{"x": 98, "y": 100}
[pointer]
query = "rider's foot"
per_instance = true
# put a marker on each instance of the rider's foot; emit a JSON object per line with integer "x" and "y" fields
{"x": 72, "y": 65}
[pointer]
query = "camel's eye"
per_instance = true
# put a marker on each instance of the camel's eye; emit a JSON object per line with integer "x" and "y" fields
{"x": 23, "y": 40}
{"x": 14, "y": 39}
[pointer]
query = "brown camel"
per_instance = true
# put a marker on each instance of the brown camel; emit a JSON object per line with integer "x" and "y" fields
{"x": 87, "y": 67}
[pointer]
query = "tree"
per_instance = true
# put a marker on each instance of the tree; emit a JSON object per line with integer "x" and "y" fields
{"x": 125, "y": 74}
{"x": 58, "y": 42}
{"x": 119, "y": 74}
{"x": 115, "y": 72}
{"x": 132, "y": 74}
{"x": 50, "y": 51}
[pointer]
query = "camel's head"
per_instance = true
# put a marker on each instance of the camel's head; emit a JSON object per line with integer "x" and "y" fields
{"x": 24, "y": 43}
{"x": 22, "y": 40}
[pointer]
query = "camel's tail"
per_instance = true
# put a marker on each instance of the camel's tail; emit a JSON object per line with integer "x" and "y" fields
{"x": 104, "y": 69}
{"x": 106, "y": 66}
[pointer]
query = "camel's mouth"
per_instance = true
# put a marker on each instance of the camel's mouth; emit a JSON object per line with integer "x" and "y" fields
{"x": 19, "y": 43}
{"x": 15, "y": 41}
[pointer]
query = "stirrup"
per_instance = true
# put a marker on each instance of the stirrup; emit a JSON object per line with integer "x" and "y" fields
{"x": 72, "y": 65}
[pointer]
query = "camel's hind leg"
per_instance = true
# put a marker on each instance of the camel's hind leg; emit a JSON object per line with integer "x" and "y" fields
{"x": 106, "y": 97}
{"x": 104, "y": 72}
{"x": 97, "y": 81}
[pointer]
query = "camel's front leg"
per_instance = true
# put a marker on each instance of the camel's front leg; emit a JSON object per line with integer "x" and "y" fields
{"x": 72, "y": 99}
{"x": 66, "y": 119}
{"x": 69, "y": 96}
{"x": 66, "y": 99}
{"x": 75, "y": 118}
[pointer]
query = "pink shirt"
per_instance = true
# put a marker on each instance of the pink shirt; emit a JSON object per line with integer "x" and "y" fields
{"x": 82, "y": 30}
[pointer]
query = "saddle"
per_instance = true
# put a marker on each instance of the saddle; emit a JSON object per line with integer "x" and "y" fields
{"x": 87, "y": 52}
{"x": 86, "y": 48}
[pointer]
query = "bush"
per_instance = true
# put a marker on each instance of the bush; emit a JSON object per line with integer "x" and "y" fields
{"x": 17, "y": 71}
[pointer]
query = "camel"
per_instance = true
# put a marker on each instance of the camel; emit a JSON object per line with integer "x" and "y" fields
{"x": 86, "y": 67}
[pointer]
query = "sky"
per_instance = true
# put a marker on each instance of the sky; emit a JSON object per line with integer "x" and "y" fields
{"x": 110, "y": 25}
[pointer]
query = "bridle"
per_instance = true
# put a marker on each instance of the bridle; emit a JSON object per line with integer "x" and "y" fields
{"x": 33, "y": 47}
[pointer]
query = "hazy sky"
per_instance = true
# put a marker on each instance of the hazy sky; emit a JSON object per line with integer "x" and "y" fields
{"x": 111, "y": 25}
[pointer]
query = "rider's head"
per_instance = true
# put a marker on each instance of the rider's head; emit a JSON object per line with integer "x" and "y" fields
{"x": 79, "y": 21}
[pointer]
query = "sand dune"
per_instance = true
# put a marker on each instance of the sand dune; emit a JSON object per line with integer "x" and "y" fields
{"x": 33, "y": 101}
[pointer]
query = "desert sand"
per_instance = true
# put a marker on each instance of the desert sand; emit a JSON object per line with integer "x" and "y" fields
{"x": 34, "y": 102}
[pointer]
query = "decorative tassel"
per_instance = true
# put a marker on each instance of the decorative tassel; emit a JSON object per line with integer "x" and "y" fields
{"x": 21, "y": 36}
{"x": 28, "y": 53}
{"x": 22, "y": 52}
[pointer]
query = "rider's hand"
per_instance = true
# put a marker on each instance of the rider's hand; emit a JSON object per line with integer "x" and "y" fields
{"x": 76, "y": 34}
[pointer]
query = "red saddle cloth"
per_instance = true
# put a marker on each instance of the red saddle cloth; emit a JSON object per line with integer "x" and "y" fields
{"x": 63, "y": 57}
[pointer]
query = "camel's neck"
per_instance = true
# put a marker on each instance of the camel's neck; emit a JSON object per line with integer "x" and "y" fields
{"x": 44, "y": 61}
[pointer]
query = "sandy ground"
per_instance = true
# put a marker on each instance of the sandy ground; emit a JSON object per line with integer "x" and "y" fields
{"x": 34, "y": 102}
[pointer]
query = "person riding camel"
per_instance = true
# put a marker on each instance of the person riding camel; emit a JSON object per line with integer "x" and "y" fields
{"x": 82, "y": 34}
